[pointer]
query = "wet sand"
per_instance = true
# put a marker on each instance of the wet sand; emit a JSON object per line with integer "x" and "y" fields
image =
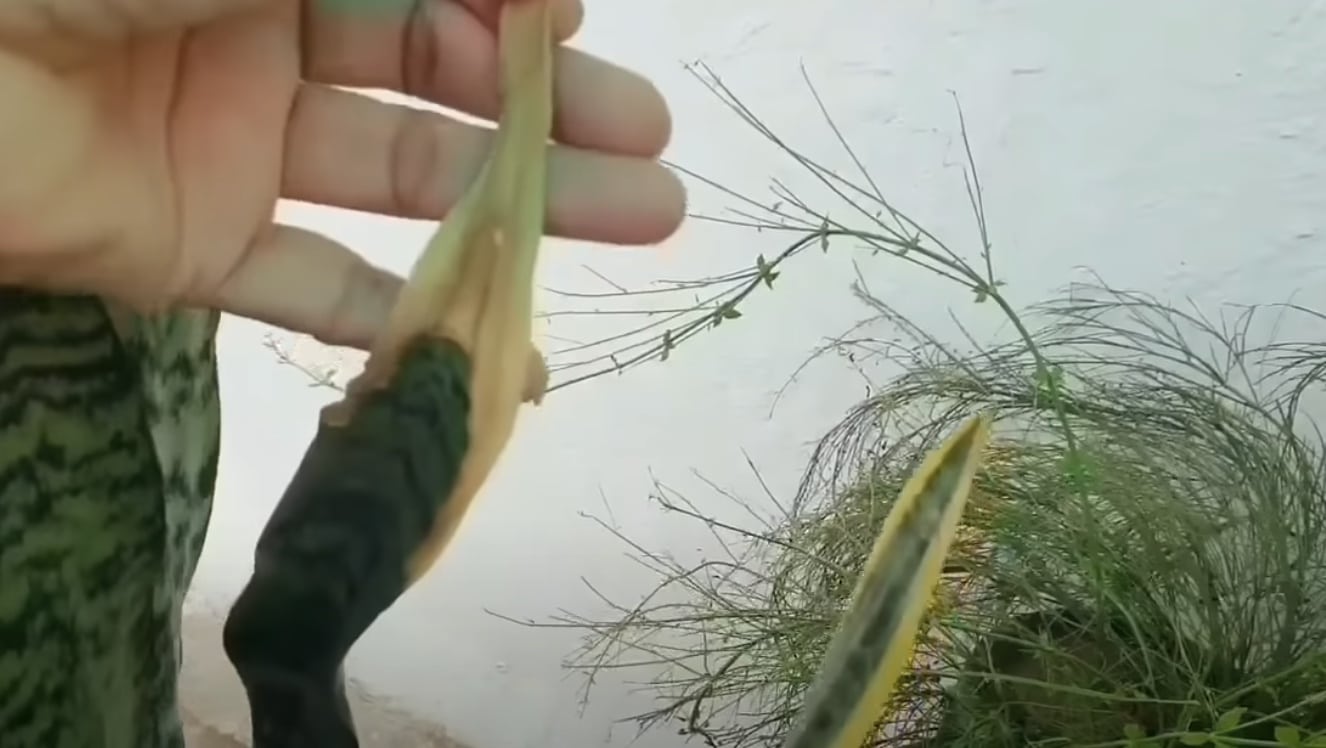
{"x": 215, "y": 712}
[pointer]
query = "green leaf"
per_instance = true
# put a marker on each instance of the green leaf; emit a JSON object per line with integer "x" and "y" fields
{"x": 1195, "y": 738}
{"x": 1288, "y": 736}
{"x": 1133, "y": 731}
{"x": 1050, "y": 384}
{"x": 726, "y": 310}
{"x": 894, "y": 589}
{"x": 766, "y": 271}
{"x": 981, "y": 294}
{"x": 1051, "y": 378}
{"x": 1230, "y": 719}
{"x": 912, "y": 243}
{"x": 1080, "y": 474}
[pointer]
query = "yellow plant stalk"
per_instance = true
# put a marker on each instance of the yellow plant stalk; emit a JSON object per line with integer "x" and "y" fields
{"x": 474, "y": 282}
{"x": 875, "y": 640}
{"x": 395, "y": 465}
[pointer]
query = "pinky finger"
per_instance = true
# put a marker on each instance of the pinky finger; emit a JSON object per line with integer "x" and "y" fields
{"x": 307, "y": 283}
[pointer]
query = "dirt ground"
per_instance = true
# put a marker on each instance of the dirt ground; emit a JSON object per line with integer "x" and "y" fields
{"x": 216, "y": 714}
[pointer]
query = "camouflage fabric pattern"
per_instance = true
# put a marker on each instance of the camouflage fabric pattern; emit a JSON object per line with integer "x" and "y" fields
{"x": 109, "y": 436}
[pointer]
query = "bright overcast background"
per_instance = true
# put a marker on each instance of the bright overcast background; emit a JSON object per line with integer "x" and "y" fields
{"x": 1173, "y": 147}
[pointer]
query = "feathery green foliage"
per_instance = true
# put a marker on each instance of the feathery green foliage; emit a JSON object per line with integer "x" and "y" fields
{"x": 1142, "y": 565}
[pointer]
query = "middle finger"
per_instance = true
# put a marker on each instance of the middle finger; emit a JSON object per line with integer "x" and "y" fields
{"x": 439, "y": 51}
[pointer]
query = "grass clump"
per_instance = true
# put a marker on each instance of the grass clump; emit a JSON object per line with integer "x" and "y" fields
{"x": 1142, "y": 563}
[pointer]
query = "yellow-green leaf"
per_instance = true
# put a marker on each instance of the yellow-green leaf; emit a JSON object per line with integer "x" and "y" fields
{"x": 1288, "y": 736}
{"x": 1230, "y": 719}
{"x": 874, "y": 640}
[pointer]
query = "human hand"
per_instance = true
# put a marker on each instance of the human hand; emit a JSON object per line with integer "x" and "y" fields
{"x": 144, "y": 144}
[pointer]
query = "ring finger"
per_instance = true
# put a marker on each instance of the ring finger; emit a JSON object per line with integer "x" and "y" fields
{"x": 353, "y": 151}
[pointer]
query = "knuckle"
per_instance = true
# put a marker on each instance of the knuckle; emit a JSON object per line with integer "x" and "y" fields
{"x": 419, "y": 49}
{"x": 417, "y": 157}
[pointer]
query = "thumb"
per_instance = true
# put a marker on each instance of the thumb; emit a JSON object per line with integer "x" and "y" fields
{"x": 62, "y": 32}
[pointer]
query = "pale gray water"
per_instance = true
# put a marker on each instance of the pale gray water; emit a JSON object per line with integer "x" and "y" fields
{"x": 1176, "y": 147}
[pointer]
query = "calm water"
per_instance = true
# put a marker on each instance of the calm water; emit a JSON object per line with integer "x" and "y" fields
{"x": 1174, "y": 147}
